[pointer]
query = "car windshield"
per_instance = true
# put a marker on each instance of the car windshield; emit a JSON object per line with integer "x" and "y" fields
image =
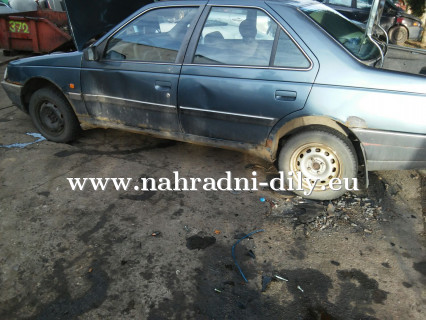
{"x": 351, "y": 36}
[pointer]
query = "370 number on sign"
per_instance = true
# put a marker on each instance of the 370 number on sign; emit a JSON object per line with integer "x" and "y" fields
{"x": 18, "y": 26}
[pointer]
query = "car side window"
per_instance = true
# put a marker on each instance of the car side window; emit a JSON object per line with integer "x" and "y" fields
{"x": 236, "y": 36}
{"x": 156, "y": 36}
{"x": 343, "y": 3}
{"x": 288, "y": 55}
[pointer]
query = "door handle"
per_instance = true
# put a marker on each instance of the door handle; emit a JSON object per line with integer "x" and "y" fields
{"x": 284, "y": 95}
{"x": 163, "y": 85}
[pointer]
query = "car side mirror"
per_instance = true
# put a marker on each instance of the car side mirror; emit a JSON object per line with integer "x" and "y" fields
{"x": 92, "y": 54}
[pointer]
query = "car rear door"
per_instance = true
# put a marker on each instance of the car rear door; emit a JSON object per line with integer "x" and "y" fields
{"x": 242, "y": 73}
{"x": 135, "y": 81}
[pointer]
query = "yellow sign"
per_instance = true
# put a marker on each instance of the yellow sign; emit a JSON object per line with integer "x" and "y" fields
{"x": 18, "y": 26}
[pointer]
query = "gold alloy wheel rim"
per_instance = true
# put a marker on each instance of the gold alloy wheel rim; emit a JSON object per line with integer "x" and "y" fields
{"x": 316, "y": 161}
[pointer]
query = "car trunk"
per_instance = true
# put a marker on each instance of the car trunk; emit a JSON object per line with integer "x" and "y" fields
{"x": 408, "y": 60}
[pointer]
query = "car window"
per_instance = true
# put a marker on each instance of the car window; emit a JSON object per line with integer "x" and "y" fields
{"x": 351, "y": 36}
{"x": 344, "y": 3}
{"x": 156, "y": 36}
{"x": 364, "y": 4}
{"x": 288, "y": 55}
{"x": 236, "y": 36}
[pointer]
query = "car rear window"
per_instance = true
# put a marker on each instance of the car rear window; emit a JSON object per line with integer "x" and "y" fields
{"x": 351, "y": 36}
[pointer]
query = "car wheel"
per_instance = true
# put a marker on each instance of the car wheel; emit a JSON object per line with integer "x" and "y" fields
{"x": 53, "y": 116}
{"x": 319, "y": 155}
{"x": 398, "y": 35}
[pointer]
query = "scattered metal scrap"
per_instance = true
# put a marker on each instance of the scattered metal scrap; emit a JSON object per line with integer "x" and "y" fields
{"x": 266, "y": 281}
{"x": 321, "y": 215}
{"x": 280, "y": 278}
{"x": 233, "y": 251}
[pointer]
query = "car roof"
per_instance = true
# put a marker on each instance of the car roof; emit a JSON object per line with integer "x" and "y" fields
{"x": 294, "y": 3}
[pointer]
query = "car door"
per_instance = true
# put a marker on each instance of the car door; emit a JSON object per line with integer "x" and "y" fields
{"x": 242, "y": 73}
{"x": 134, "y": 83}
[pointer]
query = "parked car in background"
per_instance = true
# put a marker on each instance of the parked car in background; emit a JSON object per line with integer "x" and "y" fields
{"x": 23, "y": 5}
{"x": 292, "y": 82}
{"x": 399, "y": 25}
{"x": 5, "y": 9}
{"x": 32, "y": 5}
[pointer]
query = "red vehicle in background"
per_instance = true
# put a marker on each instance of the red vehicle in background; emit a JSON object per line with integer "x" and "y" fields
{"x": 400, "y": 4}
{"x": 40, "y": 31}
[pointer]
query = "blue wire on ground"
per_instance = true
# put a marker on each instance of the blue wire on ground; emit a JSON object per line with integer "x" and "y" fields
{"x": 233, "y": 252}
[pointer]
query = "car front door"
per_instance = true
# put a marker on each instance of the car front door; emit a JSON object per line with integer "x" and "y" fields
{"x": 134, "y": 83}
{"x": 242, "y": 73}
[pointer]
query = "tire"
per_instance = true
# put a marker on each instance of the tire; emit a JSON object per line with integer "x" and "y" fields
{"x": 333, "y": 155}
{"x": 53, "y": 116}
{"x": 398, "y": 35}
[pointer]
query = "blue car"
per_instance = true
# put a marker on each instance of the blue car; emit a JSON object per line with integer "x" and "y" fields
{"x": 291, "y": 82}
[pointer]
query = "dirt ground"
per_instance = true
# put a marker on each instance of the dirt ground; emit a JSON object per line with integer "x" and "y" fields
{"x": 92, "y": 255}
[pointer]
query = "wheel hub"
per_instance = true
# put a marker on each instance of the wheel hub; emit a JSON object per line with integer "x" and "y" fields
{"x": 316, "y": 162}
{"x": 51, "y": 118}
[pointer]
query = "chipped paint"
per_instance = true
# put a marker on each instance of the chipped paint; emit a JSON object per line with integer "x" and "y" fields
{"x": 24, "y": 145}
{"x": 355, "y": 122}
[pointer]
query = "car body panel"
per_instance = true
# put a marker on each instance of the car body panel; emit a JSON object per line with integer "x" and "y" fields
{"x": 385, "y": 150}
{"x": 235, "y": 106}
{"x": 127, "y": 93}
{"x": 378, "y": 109}
{"x": 59, "y": 69}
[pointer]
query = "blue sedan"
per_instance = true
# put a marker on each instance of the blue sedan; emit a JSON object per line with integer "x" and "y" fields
{"x": 292, "y": 82}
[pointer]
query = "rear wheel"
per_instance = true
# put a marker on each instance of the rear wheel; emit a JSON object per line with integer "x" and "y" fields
{"x": 53, "y": 116}
{"x": 319, "y": 156}
{"x": 398, "y": 35}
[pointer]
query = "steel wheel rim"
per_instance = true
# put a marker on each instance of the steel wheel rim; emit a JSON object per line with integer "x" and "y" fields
{"x": 51, "y": 118}
{"x": 316, "y": 161}
{"x": 400, "y": 34}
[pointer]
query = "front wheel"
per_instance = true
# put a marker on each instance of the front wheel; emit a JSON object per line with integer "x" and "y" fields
{"x": 53, "y": 116}
{"x": 319, "y": 156}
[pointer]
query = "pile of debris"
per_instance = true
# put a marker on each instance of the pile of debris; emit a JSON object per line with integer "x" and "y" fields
{"x": 350, "y": 209}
